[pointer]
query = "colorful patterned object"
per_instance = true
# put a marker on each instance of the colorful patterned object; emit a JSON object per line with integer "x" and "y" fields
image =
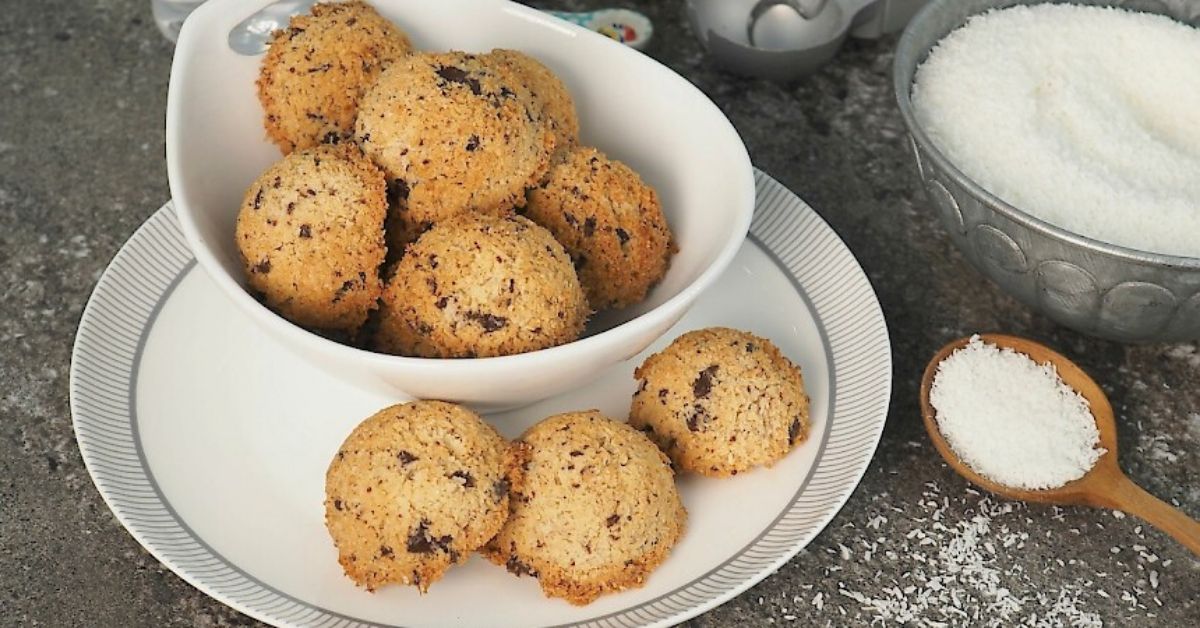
{"x": 628, "y": 27}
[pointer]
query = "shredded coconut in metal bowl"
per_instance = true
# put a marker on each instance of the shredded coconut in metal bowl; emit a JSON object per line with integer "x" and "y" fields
{"x": 1086, "y": 117}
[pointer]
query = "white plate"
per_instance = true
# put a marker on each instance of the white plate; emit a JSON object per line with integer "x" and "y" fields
{"x": 209, "y": 441}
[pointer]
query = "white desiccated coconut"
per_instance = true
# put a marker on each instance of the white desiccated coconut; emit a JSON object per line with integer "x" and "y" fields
{"x": 1086, "y": 117}
{"x": 1012, "y": 420}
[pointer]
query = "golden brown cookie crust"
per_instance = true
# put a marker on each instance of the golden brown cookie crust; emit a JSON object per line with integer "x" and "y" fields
{"x": 596, "y": 511}
{"x": 415, "y": 489}
{"x": 721, "y": 401}
{"x": 453, "y": 133}
{"x": 549, "y": 91}
{"x": 479, "y": 286}
{"x": 318, "y": 68}
{"x": 611, "y": 223}
{"x": 310, "y": 232}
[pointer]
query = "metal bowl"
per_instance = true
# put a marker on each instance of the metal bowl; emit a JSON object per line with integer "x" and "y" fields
{"x": 1093, "y": 287}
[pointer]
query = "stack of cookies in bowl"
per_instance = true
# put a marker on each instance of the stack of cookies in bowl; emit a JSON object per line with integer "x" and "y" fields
{"x": 436, "y": 205}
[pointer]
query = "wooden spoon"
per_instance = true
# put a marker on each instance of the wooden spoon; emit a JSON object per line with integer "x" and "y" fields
{"x": 1104, "y": 486}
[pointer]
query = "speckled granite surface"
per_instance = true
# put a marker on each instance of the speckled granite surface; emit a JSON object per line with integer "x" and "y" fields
{"x": 82, "y": 92}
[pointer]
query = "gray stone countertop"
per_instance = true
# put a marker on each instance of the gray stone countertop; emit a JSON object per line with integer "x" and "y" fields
{"x": 82, "y": 92}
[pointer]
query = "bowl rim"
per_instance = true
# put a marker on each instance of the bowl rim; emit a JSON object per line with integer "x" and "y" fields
{"x": 903, "y": 89}
{"x": 743, "y": 177}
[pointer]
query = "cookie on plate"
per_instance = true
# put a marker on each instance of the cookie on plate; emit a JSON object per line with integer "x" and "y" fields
{"x": 415, "y": 489}
{"x": 611, "y": 223}
{"x": 720, "y": 401}
{"x": 453, "y": 133}
{"x": 318, "y": 68}
{"x": 310, "y": 232}
{"x": 549, "y": 91}
{"x": 479, "y": 286}
{"x": 596, "y": 511}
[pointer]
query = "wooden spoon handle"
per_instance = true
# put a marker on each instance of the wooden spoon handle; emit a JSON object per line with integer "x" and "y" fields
{"x": 1133, "y": 499}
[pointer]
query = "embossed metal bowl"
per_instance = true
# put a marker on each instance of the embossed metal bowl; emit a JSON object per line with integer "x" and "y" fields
{"x": 1091, "y": 286}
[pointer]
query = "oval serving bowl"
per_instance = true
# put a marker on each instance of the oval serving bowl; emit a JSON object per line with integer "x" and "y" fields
{"x": 630, "y": 107}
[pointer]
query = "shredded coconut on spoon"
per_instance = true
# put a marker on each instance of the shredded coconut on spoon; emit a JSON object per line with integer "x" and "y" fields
{"x": 1013, "y": 420}
{"x": 1086, "y": 117}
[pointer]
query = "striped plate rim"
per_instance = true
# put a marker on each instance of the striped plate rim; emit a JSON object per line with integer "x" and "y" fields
{"x": 113, "y": 331}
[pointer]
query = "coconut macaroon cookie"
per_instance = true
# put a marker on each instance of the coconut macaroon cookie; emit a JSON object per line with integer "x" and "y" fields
{"x": 548, "y": 90}
{"x": 720, "y": 401}
{"x": 597, "y": 509}
{"x": 611, "y": 223}
{"x": 453, "y": 133}
{"x": 415, "y": 489}
{"x": 477, "y": 285}
{"x": 318, "y": 68}
{"x": 310, "y": 232}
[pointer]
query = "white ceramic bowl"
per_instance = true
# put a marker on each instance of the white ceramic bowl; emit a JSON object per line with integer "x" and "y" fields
{"x": 630, "y": 106}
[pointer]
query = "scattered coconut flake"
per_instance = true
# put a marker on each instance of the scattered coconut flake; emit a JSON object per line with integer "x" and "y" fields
{"x": 965, "y": 573}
